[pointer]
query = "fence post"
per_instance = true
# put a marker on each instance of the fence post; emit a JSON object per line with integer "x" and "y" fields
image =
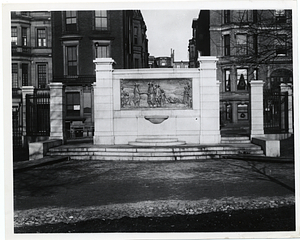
{"x": 257, "y": 108}
{"x": 103, "y": 102}
{"x": 209, "y": 106}
{"x": 289, "y": 89}
{"x": 57, "y": 111}
{"x": 30, "y": 91}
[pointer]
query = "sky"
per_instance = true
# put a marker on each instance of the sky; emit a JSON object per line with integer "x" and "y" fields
{"x": 168, "y": 29}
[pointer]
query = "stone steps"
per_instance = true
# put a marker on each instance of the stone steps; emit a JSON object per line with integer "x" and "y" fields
{"x": 131, "y": 153}
{"x": 234, "y": 140}
{"x": 154, "y": 154}
{"x": 156, "y": 142}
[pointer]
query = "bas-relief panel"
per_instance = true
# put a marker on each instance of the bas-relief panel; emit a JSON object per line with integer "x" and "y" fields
{"x": 156, "y": 93}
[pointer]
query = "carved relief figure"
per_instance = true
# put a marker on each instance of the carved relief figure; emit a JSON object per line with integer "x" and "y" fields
{"x": 190, "y": 96}
{"x": 158, "y": 95}
{"x": 187, "y": 95}
{"x": 136, "y": 95}
{"x": 163, "y": 97}
{"x": 151, "y": 95}
{"x": 124, "y": 97}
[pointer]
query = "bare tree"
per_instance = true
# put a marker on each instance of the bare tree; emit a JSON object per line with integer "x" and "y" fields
{"x": 260, "y": 36}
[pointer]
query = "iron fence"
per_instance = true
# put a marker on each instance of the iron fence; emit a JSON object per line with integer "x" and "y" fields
{"x": 38, "y": 113}
{"x": 17, "y": 128}
{"x": 275, "y": 112}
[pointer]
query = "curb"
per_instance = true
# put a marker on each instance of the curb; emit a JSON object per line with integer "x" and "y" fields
{"x": 260, "y": 158}
{"x": 22, "y": 166}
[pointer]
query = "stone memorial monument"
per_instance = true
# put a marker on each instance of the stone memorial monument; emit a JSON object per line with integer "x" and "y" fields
{"x": 156, "y": 106}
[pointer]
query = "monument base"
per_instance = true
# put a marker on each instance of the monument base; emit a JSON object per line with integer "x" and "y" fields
{"x": 157, "y": 142}
{"x": 104, "y": 140}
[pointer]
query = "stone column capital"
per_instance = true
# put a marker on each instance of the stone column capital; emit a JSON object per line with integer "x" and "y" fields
{"x": 56, "y": 85}
{"x": 28, "y": 88}
{"x": 256, "y": 83}
{"x": 286, "y": 87}
{"x": 103, "y": 61}
{"x": 207, "y": 59}
{"x": 207, "y": 62}
{"x": 104, "y": 64}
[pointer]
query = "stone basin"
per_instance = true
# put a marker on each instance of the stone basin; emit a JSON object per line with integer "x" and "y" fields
{"x": 156, "y": 119}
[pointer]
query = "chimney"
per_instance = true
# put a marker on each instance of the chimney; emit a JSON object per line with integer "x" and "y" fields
{"x": 172, "y": 57}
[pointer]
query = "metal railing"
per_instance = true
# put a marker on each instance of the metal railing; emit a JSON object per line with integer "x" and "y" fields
{"x": 275, "y": 112}
{"x": 38, "y": 113}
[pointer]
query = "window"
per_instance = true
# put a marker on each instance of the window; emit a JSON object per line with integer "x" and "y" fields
{"x": 227, "y": 81}
{"x": 136, "y": 63}
{"x": 280, "y": 16}
{"x": 255, "y": 44}
{"x": 102, "y": 49}
{"x": 227, "y": 16}
{"x": 71, "y": 20}
{"x": 228, "y": 111}
{"x": 24, "y": 74}
{"x": 242, "y": 15}
{"x": 242, "y": 79}
{"x": 72, "y": 60}
{"x": 42, "y": 75}
{"x": 14, "y": 69}
{"x": 227, "y": 45}
{"x": 241, "y": 44}
{"x": 87, "y": 102}
{"x": 242, "y": 111}
{"x": 24, "y": 36}
{"x": 41, "y": 37}
{"x": 73, "y": 104}
{"x": 101, "y": 20}
{"x": 135, "y": 35}
{"x": 281, "y": 45}
{"x": 254, "y": 16}
{"x": 280, "y": 76}
{"x": 255, "y": 74}
{"x": 194, "y": 33}
{"x": 14, "y": 36}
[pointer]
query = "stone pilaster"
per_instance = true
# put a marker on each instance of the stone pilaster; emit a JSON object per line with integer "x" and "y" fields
{"x": 257, "y": 108}
{"x": 209, "y": 90}
{"x": 103, "y": 102}
{"x": 289, "y": 89}
{"x": 57, "y": 111}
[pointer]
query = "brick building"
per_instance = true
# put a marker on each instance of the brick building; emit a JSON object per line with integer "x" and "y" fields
{"x": 81, "y": 36}
{"x": 250, "y": 45}
{"x": 31, "y": 69}
{"x": 167, "y": 62}
{"x": 31, "y": 44}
